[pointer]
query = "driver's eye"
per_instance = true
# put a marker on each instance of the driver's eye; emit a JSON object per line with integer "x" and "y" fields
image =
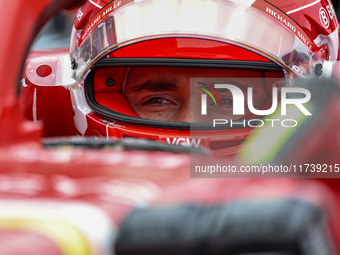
{"x": 226, "y": 101}
{"x": 156, "y": 100}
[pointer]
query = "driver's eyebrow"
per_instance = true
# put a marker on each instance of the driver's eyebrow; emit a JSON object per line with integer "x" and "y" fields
{"x": 156, "y": 85}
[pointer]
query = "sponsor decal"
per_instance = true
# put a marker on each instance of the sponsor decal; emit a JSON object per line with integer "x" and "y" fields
{"x": 189, "y": 142}
{"x": 324, "y": 17}
{"x": 99, "y": 17}
{"x": 288, "y": 22}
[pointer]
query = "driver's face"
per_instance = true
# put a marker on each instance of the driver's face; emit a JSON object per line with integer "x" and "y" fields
{"x": 165, "y": 94}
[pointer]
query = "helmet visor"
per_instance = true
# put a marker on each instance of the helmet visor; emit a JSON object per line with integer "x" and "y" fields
{"x": 172, "y": 92}
{"x": 220, "y": 20}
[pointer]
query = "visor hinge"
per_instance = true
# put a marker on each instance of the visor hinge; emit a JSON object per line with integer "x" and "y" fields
{"x": 318, "y": 69}
{"x": 74, "y": 64}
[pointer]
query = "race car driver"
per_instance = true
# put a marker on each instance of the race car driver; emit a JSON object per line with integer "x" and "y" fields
{"x": 145, "y": 69}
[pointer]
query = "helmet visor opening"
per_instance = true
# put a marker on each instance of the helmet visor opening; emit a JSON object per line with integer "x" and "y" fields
{"x": 176, "y": 93}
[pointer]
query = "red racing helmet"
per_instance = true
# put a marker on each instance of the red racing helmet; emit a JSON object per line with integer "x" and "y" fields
{"x": 158, "y": 69}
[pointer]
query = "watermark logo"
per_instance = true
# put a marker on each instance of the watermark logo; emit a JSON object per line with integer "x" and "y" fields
{"x": 238, "y": 100}
{"x": 204, "y": 97}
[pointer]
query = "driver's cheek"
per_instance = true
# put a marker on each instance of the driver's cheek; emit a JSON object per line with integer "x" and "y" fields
{"x": 162, "y": 115}
{"x": 182, "y": 114}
